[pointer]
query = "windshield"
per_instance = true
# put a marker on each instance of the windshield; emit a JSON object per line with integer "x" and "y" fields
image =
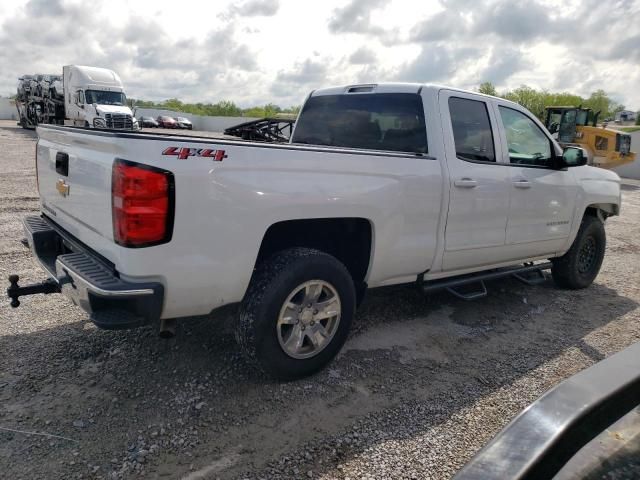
{"x": 582, "y": 117}
{"x": 102, "y": 97}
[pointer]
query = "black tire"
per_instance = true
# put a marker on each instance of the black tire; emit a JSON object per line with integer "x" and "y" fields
{"x": 272, "y": 283}
{"x": 579, "y": 267}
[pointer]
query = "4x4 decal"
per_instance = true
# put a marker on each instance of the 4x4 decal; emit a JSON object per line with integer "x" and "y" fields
{"x": 184, "y": 153}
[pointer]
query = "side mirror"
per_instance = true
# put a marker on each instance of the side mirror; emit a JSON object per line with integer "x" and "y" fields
{"x": 574, "y": 157}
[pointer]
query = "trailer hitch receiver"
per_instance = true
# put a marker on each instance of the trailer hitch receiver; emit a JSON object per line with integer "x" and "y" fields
{"x": 15, "y": 291}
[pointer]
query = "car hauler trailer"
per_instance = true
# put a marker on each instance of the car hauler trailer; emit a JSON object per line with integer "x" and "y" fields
{"x": 83, "y": 96}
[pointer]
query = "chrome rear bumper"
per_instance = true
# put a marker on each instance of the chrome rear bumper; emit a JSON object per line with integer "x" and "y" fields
{"x": 89, "y": 281}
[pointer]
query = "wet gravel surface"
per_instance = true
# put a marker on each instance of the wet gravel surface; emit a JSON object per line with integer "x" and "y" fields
{"x": 422, "y": 383}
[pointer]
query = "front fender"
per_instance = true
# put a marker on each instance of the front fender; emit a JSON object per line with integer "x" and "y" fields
{"x": 597, "y": 188}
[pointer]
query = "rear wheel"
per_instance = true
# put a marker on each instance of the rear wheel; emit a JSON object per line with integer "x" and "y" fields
{"x": 297, "y": 313}
{"x": 579, "y": 267}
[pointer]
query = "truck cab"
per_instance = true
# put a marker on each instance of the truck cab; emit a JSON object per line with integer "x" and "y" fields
{"x": 95, "y": 98}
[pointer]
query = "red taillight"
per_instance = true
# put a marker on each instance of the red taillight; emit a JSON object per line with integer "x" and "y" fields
{"x": 142, "y": 199}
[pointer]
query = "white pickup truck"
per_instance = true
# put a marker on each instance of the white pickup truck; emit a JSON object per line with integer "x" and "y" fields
{"x": 380, "y": 185}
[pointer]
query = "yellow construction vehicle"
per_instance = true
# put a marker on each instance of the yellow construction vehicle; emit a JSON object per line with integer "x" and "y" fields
{"x": 576, "y": 126}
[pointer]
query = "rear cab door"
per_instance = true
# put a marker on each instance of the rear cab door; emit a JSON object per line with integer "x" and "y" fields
{"x": 542, "y": 198}
{"x": 479, "y": 183}
{"x": 392, "y": 130}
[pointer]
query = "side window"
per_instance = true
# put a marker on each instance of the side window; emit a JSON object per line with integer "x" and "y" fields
{"x": 528, "y": 145}
{"x": 582, "y": 117}
{"x": 80, "y": 97}
{"x": 471, "y": 129}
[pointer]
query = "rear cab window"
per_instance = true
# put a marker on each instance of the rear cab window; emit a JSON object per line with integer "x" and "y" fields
{"x": 378, "y": 121}
{"x": 472, "y": 132}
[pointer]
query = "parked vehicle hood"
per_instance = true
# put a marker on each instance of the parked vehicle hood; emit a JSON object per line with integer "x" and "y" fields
{"x": 102, "y": 109}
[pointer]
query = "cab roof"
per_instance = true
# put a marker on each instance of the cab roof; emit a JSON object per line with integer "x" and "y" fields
{"x": 393, "y": 87}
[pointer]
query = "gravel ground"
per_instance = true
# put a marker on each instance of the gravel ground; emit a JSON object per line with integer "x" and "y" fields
{"x": 422, "y": 383}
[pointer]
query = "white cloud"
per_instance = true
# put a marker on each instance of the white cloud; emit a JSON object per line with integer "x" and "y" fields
{"x": 259, "y": 51}
{"x": 363, "y": 56}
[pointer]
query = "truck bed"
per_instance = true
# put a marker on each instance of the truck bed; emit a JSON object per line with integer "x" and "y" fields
{"x": 225, "y": 205}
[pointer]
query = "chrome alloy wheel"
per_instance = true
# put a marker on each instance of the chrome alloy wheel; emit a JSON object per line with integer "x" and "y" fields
{"x": 308, "y": 319}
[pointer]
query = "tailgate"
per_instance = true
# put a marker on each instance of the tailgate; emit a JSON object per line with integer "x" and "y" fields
{"x": 74, "y": 180}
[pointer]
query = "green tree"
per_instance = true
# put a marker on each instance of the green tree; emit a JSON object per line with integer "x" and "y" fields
{"x": 173, "y": 104}
{"x": 488, "y": 89}
{"x": 562, "y": 99}
{"x": 618, "y": 107}
{"x": 268, "y": 110}
{"x": 536, "y": 100}
{"x": 528, "y": 97}
{"x": 293, "y": 110}
{"x": 225, "y": 108}
{"x": 599, "y": 101}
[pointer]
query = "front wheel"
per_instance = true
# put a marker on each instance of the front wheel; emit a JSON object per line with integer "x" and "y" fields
{"x": 579, "y": 267}
{"x": 297, "y": 313}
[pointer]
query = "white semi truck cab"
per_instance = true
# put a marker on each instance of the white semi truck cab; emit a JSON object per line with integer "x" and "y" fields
{"x": 95, "y": 98}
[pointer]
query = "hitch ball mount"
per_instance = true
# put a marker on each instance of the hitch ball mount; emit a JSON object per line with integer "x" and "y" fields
{"x": 15, "y": 291}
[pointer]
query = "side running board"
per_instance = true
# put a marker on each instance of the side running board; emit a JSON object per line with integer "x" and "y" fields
{"x": 533, "y": 277}
{"x": 529, "y": 273}
{"x": 470, "y": 294}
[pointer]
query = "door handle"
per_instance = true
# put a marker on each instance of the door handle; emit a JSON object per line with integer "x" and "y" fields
{"x": 465, "y": 183}
{"x": 62, "y": 163}
{"x": 522, "y": 184}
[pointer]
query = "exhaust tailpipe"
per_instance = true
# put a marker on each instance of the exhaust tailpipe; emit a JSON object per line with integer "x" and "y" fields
{"x": 167, "y": 328}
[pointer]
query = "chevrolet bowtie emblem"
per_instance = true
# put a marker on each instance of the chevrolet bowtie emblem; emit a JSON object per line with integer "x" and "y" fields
{"x": 62, "y": 187}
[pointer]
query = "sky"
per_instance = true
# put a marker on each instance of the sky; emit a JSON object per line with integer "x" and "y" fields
{"x": 275, "y": 51}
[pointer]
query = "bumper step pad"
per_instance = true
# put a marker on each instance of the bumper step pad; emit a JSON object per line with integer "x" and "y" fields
{"x": 92, "y": 271}
{"x": 112, "y": 303}
{"x": 91, "y": 283}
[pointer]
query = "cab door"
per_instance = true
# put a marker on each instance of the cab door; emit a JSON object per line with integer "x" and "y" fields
{"x": 567, "y": 128}
{"x": 479, "y": 184}
{"x": 72, "y": 106}
{"x": 542, "y": 198}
